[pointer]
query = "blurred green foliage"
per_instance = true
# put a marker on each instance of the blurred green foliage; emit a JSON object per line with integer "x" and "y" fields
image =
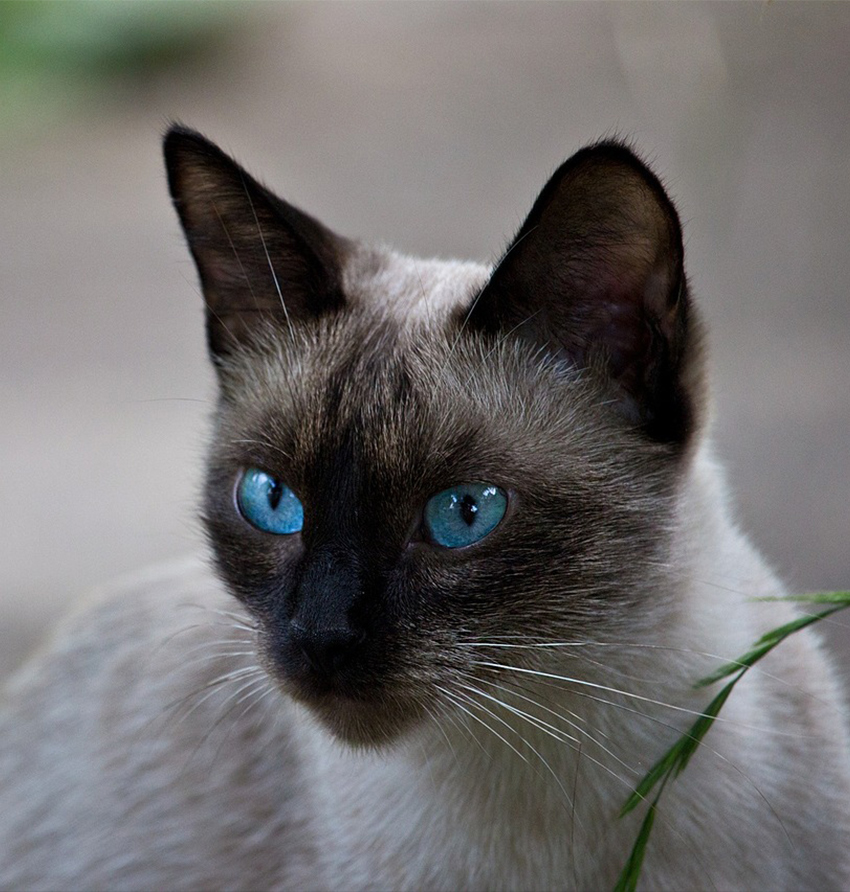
{"x": 56, "y": 53}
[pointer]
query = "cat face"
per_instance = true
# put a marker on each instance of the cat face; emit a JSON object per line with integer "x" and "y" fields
{"x": 415, "y": 462}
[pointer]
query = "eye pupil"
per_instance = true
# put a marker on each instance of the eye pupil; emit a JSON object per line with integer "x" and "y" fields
{"x": 468, "y": 509}
{"x": 275, "y": 493}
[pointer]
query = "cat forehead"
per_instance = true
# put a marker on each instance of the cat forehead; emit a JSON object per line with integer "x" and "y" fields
{"x": 395, "y": 363}
{"x": 397, "y": 385}
{"x": 398, "y": 314}
{"x": 410, "y": 290}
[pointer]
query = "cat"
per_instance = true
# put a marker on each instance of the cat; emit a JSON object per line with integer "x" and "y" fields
{"x": 470, "y": 552}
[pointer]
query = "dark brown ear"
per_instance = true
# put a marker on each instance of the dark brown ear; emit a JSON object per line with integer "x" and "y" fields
{"x": 596, "y": 275}
{"x": 261, "y": 261}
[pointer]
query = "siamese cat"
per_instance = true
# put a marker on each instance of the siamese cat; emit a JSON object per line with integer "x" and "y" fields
{"x": 470, "y": 552}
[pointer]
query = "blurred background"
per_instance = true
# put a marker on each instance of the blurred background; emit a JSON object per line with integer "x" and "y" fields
{"x": 430, "y": 126}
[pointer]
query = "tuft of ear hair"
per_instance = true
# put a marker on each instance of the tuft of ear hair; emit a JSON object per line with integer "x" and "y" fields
{"x": 596, "y": 275}
{"x": 261, "y": 261}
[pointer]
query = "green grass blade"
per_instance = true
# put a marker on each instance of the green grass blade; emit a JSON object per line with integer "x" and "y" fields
{"x": 659, "y": 771}
{"x": 676, "y": 758}
{"x": 815, "y": 598}
{"x": 767, "y": 642}
{"x": 700, "y": 727}
{"x": 674, "y": 761}
{"x": 628, "y": 879}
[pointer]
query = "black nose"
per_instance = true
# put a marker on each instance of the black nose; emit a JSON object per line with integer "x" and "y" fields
{"x": 326, "y": 649}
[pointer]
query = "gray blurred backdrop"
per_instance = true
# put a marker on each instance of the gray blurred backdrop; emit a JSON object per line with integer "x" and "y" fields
{"x": 431, "y": 127}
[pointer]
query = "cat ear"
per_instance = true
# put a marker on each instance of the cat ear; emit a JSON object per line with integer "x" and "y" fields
{"x": 596, "y": 275}
{"x": 260, "y": 260}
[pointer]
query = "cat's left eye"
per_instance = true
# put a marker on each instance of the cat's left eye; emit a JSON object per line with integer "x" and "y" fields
{"x": 464, "y": 514}
{"x": 268, "y": 504}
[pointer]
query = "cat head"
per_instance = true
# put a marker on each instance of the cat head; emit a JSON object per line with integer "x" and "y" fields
{"x": 415, "y": 462}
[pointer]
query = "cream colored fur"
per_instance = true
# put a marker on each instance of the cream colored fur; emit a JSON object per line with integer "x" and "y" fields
{"x": 123, "y": 766}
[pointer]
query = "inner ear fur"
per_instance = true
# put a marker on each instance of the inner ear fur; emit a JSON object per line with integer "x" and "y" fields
{"x": 260, "y": 260}
{"x": 596, "y": 275}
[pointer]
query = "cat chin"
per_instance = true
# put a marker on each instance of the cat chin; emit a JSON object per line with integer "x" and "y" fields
{"x": 361, "y": 724}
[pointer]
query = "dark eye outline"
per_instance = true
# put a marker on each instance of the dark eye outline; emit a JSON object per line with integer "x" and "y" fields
{"x": 256, "y": 515}
{"x": 427, "y": 532}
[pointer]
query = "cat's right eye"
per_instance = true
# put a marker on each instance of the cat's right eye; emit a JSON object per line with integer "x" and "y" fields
{"x": 268, "y": 504}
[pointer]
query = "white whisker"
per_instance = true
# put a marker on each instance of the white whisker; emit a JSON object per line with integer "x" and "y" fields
{"x": 457, "y": 702}
{"x": 211, "y": 688}
{"x": 583, "y": 731}
{"x": 623, "y": 693}
{"x": 473, "y": 702}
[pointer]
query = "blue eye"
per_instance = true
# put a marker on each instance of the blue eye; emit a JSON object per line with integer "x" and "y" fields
{"x": 268, "y": 504}
{"x": 464, "y": 514}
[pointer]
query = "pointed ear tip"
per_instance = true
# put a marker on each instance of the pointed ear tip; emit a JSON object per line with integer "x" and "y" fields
{"x": 621, "y": 155}
{"x": 174, "y": 141}
{"x": 175, "y": 133}
{"x": 176, "y": 128}
{"x": 179, "y": 138}
{"x": 617, "y": 151}
{"x": 615, "y": 145}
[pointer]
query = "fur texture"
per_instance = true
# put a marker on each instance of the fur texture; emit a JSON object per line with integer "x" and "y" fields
{"x": 374, "y": 710}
